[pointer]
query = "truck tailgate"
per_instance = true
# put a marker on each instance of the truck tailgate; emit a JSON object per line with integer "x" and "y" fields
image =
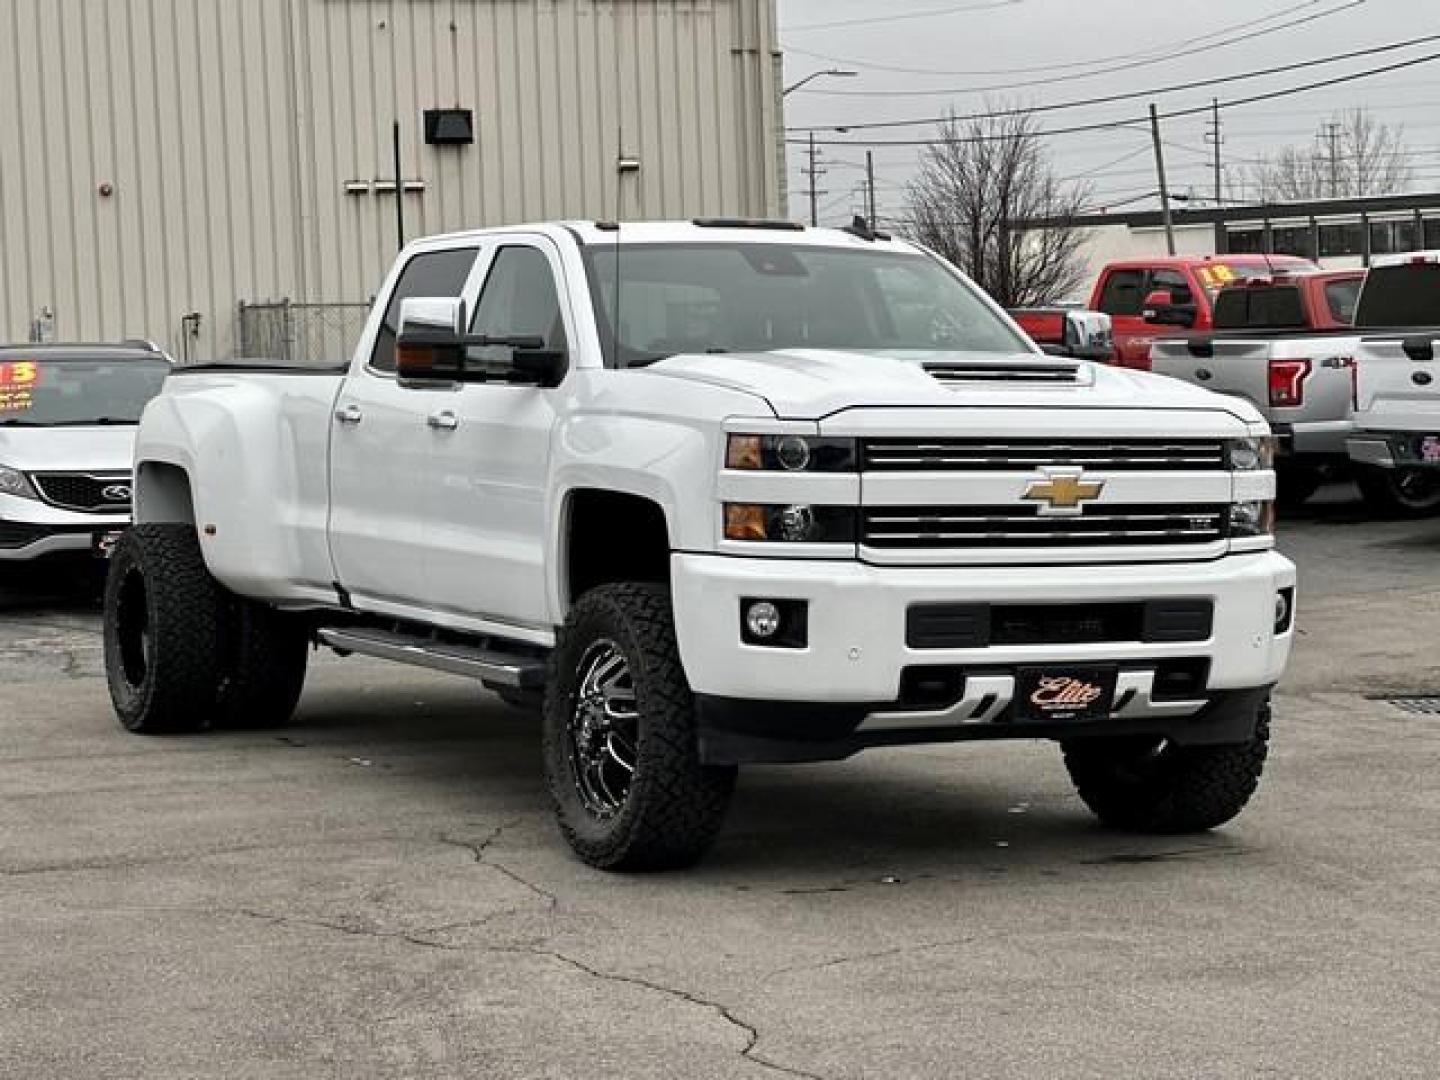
{"x": 1399, "y": 385}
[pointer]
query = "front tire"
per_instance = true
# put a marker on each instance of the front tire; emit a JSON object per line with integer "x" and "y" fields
{"x": 621, "y": 756}
{"x": 1154, "y": 786}
{"x": 1402, "y": 493}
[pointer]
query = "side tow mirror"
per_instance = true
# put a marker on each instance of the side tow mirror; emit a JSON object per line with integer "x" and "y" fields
{"x": 1162, "y": 310}
{"x": 430, "y": 343}
{"x": 1089, "y": 335}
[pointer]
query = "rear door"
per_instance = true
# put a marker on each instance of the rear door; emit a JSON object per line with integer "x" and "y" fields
{"x": 380, "y": 451}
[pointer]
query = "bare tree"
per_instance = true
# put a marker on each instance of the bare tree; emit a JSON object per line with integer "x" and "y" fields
{"x": 982, "y": 189}
{"x": 1354, "y": 154}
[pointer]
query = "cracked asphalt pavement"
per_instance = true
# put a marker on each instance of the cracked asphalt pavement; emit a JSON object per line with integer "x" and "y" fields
{"x": 379, "y": 890}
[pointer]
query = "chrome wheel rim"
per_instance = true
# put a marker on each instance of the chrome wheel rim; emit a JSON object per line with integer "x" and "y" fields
{"x": 603, "y": 732}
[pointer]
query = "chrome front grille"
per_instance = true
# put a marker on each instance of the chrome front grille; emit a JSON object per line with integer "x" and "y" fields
{"x": 1025, "y": 455}
{"x": 926, "y": 527}
{"x": 89, "y": 493}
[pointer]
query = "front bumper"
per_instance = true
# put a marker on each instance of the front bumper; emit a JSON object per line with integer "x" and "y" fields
{"x": 32, "y": 530}
{"x": 845, "y": 687}
{"x": 1395, "y": 449}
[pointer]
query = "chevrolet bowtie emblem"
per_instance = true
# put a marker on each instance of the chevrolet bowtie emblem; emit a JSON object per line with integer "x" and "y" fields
{"x": 1063, "y": 492}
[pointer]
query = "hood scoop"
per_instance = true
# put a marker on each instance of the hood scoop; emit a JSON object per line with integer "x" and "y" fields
{"x": 1047, "y": 372}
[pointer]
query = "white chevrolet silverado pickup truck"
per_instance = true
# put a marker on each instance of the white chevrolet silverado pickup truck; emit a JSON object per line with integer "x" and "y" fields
{"x": 716, "y": 493}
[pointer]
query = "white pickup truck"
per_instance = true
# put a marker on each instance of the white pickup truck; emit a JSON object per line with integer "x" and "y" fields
{"x": 1397, "y": 415}
{"x": 719, "y": 492}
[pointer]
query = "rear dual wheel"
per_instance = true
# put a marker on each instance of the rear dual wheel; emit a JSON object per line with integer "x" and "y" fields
{"x": 182, "y": 653}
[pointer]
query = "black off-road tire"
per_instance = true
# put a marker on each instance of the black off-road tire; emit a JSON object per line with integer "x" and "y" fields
{"x": 1295, "y": 484}
{"x": 1400, "y": 493}
{"x": 262, "y": 667}
{"x": 1153, "y": 786}
{"x": 162, "y": 631}
{"x": 675, "y": 806}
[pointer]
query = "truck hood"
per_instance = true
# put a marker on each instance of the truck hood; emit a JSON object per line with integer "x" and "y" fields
{"x": 69, "y": 449}
{"x": 811, "y": 384}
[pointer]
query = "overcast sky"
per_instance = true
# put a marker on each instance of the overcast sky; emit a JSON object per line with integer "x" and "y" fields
{"x": 953, "y": 51}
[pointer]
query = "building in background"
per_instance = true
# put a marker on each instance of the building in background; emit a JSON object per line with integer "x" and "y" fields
{"x": 1337, "y": 233}
{"x": 219, "y": 176}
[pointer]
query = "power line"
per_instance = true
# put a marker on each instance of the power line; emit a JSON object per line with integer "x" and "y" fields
{"x": 1108, "y": 99}
{"x": 1028, "y": 83}
{"x": 1166, "y": 50}
{"x": 871, "y": 20}
{"x": 1111, "y": 125}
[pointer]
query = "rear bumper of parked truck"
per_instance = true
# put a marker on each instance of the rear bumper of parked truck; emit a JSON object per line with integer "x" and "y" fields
{"x": 893, "y": 655}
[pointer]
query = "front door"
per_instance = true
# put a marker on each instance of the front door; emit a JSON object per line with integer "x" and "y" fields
{"x": 381, "y": 453}
{"x": 491, "y": 450}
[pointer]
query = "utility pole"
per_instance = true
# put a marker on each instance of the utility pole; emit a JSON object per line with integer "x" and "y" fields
{"x": 814, "y": 172}
{"x": 1213, "y": 137}
{"x": 1330, "y": 133}
{"x": 1160, "y": 176}
{"x": 870, "y": 188}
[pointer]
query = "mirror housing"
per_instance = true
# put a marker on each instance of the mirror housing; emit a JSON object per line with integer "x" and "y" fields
{"x": 432, "y": 346}
{"x": 1162, "y": 310}
{"x": 1089, "y": 335}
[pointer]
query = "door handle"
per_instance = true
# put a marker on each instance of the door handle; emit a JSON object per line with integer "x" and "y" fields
{"x": 350, "y": 414}
{"x": 443, "y": 421}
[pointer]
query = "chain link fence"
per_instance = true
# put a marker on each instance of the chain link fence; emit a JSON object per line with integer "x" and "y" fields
{"x": 308, "y": 335}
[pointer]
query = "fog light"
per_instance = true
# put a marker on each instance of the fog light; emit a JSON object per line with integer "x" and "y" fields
{"x": 762, "y": 619}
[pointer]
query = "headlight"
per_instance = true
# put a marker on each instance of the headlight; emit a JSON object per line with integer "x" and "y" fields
{"x": 796, "y": 524}
{"x": 1251, "y": 455}
{"x": 14, "y": 482}
{"x": 1252, "y": 519}
{"x": 790, "y": 453}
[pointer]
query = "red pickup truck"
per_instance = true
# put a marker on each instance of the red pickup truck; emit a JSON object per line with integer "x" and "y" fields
{"x": 1155, "y": 296}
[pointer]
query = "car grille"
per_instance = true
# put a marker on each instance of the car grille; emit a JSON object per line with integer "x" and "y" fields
{"x": 922, "y": 527}
{"x": 1010, "y": 455}
{"x": 86, "y": 492}
{"x": 971, "y": 626}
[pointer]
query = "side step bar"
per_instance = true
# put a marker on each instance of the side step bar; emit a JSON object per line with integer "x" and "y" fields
{"x": 490, "y": 665}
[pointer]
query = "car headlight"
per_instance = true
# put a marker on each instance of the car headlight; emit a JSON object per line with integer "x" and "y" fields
{"x": 1252, "y": 519}
{"x": 1251, "y": 455}
{"x": 795, "y": 524}
{"x": 14, "y": 482}
{"x": 790, "y": 453}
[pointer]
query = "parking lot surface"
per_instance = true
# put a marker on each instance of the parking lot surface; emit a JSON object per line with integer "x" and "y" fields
{"x": 379, "y": 890}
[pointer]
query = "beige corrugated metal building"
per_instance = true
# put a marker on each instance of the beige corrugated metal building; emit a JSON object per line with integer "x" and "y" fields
{"x": 164, "y": 161}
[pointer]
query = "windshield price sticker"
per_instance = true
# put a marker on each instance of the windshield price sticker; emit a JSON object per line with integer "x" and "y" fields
{"x": 17, "y": 379}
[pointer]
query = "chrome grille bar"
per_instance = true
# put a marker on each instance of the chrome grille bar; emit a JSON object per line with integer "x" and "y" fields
{"x": 941, "y": 527}
{"x": 957, "y": 455}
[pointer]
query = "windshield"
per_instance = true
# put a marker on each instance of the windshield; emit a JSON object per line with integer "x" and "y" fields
{"x": 719, "y": 298}
{"x": 58, "y": 393}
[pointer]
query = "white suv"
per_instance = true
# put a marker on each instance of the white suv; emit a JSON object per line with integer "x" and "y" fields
{"x": 68, "y": 417}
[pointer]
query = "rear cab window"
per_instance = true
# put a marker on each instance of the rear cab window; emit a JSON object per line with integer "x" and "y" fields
{"x": 1400, "y": 296}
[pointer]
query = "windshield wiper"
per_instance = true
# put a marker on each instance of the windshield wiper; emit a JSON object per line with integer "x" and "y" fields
{"x": 15, "y": 421}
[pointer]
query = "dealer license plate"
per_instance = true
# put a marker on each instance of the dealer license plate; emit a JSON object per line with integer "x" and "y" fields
{"x": 1064, "y": 694}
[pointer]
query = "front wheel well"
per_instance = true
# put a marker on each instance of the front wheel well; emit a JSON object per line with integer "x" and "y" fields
{"x": 162, "y": 494}
{"x": 613, "y": 537}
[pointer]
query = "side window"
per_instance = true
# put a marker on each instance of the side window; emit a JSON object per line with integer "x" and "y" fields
{"x": 519, "y": 300}
{"x": 434, "y": 273}
{"x": 1341, "y": 296}
{"x": 1122, "y": 293}
{"x": 1173, "y": 282}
